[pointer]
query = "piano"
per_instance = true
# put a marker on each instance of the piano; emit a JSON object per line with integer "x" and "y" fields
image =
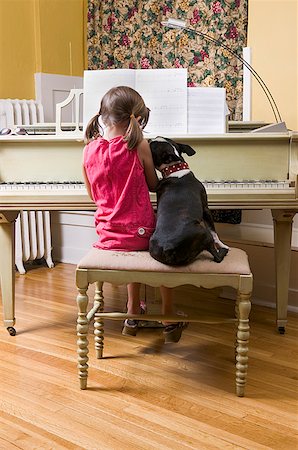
{"x": 240, "y": 169}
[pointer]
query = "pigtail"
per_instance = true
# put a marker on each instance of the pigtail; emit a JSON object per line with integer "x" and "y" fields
{"x": 134, "y": 134}
{"x": 93, "y": 129}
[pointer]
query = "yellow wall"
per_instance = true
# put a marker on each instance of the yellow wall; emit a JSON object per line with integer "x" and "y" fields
{"x": 62, "y": 37}
{"x": 39, "y": 36}
{"x": 272, "y": 35}
{"x": 17, "y": 49}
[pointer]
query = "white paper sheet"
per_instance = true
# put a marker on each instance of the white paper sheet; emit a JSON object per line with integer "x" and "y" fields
{"x": 165, "y": 93}
{"x": 97, "y": 83}
{"x": 206, "y": 110}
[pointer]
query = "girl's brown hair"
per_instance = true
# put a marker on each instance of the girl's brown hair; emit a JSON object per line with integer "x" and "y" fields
{"x": 121, "y": 104}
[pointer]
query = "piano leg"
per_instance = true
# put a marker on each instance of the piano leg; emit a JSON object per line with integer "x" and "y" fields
{"x": 282, "y": 221}
{"x": 7, "y": 268}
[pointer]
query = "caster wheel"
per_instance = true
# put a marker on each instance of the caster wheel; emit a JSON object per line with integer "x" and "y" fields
{"x": 281, "y": 330}
{"x": 11, "y": 331}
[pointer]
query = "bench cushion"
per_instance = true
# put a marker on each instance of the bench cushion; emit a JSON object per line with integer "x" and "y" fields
{"x": 235, "y": 262}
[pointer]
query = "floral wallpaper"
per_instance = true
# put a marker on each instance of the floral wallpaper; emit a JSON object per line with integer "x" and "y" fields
{"x": 128, "y": 34}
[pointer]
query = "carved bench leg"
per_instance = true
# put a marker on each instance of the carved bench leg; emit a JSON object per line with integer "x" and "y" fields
{"x": 243, "y": 310}
{"x": 98, "y": 321}
{"x": 82, "y": 333}
{"x": 236, "y": 325}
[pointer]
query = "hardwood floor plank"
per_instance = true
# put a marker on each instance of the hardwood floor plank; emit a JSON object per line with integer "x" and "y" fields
{"x": 27, "y": 436}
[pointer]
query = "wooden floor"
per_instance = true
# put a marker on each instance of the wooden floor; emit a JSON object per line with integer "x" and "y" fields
{"x": 143, "y": 394}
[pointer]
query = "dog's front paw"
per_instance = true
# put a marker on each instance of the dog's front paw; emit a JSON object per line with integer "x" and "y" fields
{"x": 217, "y": 242}
{"x": 221, "y": 253}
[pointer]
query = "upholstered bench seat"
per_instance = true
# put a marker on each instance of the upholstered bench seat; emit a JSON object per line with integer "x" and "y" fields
{"x": 116, "y": 267}
{"x": 235, "y": 261}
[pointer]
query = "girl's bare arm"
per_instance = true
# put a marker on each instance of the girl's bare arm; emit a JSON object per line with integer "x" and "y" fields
{"x": 145, "y": 156}
{"x": 86, "y": 181}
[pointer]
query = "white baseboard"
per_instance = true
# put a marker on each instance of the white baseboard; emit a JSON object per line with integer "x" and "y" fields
{"x": 69, "y": 255}
{"x": 73, "y": 234}
{"x": 264, "y": 295}
{"x": 252, "y": 234}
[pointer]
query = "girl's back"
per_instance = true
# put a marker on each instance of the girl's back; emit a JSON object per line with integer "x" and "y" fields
{"x": 124, "y": 218}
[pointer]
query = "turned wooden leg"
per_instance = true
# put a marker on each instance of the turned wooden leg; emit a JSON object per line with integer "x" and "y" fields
{"x": 7, "y": 268}
{"x": 98, "y": 321}
{"x": 236, "y": 325}
{"x": 82, "y": 333}
{"x": 282, "y": 221}
{"x": 244, "y": 306}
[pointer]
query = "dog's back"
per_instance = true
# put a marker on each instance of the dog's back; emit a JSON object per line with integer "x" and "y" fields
{"x": 184, "y": 225}
{"x": 180, "y": 233}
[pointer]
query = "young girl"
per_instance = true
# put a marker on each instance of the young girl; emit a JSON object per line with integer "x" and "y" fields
{"x": 119, "y": 172}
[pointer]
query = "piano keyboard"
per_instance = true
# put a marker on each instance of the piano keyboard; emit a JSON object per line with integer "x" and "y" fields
{"x": 247, "y": 184}
{"x": 80, "y": 187}
{"x": 42, "y": 187}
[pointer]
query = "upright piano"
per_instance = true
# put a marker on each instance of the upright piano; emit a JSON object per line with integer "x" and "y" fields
{"x": 241, "y": 170}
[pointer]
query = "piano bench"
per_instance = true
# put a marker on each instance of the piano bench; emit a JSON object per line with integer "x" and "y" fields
{"x": 117, "y": 267}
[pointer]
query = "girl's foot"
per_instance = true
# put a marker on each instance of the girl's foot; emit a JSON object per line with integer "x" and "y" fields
{"x": 172, "y": 332}
{"x": 130, "y": 327}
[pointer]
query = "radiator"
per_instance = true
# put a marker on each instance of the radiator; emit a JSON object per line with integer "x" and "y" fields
{"x": 33, "y": 229}
{"x": 23, "y": 112}
{"x": 33, "y": 238}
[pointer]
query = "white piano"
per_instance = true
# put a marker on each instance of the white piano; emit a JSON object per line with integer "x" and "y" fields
{"x": 241, "y": 170}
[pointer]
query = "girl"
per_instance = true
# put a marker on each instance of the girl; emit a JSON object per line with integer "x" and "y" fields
{"x": 119, "y": 172}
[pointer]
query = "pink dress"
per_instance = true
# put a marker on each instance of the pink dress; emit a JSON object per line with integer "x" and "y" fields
{"x": 124, "y": 218}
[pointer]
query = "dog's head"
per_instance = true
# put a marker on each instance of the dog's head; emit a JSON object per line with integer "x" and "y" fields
{"x": 166, "y": 152}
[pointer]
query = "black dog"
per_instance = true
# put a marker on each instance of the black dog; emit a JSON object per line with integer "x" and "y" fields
{"x": 184, "y": 225}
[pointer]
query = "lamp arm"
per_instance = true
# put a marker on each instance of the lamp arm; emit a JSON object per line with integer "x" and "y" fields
{"x": 248, "y": 66}
{"x": 181, "y": 25}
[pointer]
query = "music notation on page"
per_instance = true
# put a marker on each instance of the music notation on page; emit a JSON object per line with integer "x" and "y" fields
{"x": 163, "y": 90}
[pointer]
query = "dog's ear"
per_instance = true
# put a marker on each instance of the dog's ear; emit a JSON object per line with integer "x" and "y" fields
{"x": 184, "y": 148}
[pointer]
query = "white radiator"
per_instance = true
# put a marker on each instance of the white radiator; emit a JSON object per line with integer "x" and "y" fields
{"x": 33, "y": 229}
{"x": 15, "y": 112}
{"x": 33, "y": 238}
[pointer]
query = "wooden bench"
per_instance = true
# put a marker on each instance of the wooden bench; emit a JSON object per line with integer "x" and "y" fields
{"x": 99, "y": 266}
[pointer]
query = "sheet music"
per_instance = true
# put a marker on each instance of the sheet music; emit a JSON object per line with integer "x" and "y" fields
{"x": 165, "y": 93}
{"x": 97, "y": 83}
{"x": 163, "y": 90}
{"x": 206, "y": 110}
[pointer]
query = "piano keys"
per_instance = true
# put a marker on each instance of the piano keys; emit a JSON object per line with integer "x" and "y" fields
{"x": 223, "y": 186}
{"x": 242, "y": 170}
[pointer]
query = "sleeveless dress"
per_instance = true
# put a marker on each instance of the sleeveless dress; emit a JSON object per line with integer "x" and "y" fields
{"x": 124, "y": 218}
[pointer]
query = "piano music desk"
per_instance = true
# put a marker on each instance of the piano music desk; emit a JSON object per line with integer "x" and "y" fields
{"x": 241, "y": 170}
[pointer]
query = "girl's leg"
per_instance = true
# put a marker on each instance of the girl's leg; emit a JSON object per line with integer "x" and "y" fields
{"x": 167, "y": 300}
{"x": 133, "y": 298}
{"x": 173, "y": 330}
{"x": 130, "y": 327}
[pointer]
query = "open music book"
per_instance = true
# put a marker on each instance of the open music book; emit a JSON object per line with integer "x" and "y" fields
{"x": 163, "y": 90}
{"x": 174, "y": 108}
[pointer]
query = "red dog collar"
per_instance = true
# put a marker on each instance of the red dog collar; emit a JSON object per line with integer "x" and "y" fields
{"x": 174, "y": 168}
